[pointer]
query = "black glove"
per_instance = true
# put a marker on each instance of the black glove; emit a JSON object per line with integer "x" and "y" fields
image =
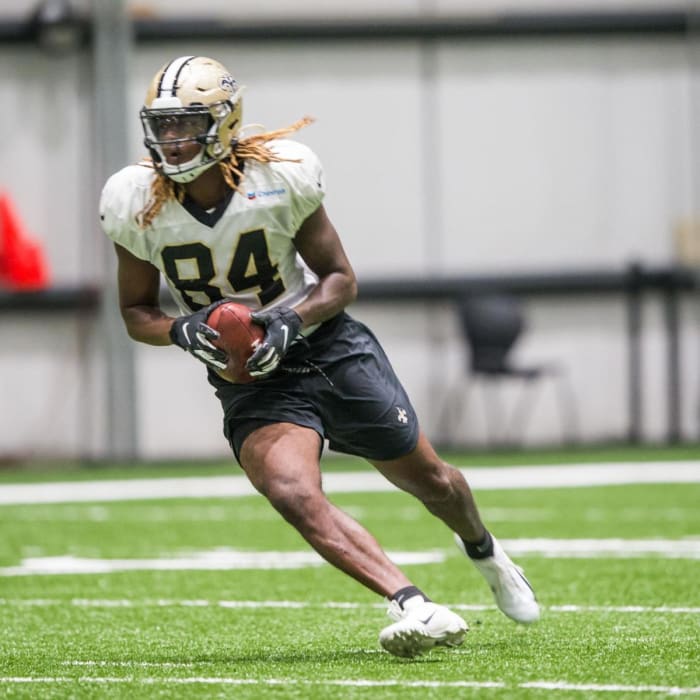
{"x": 282, "y": 325}
{"x": 191, "y": 333}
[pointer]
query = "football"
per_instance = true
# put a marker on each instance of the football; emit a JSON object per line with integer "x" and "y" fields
{"x": 238, "y": 338}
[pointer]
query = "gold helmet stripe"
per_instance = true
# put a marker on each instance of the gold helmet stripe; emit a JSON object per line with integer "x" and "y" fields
{"x": 168, "y": 79}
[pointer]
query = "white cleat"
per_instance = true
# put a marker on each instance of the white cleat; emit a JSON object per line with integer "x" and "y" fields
{"x": 512, "y": 591}
{"x": 419, "y": 627}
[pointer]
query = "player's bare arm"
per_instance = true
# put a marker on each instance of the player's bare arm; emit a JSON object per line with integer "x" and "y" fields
{"x": 319, "y": 245}
{"x": 139, "y": 287}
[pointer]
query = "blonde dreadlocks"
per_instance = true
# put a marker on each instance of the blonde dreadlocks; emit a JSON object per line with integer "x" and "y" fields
{"x": 252, "y": 147}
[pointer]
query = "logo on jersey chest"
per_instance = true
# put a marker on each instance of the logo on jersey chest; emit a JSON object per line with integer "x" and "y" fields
{"x": 262, "y": 194}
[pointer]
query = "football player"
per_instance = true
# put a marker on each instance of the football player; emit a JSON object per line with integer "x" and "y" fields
{"x": 221, "y": 215}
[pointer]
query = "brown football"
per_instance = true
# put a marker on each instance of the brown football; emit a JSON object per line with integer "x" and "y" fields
{"x": 238, "y": 338}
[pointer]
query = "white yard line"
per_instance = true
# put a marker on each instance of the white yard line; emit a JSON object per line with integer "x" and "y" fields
{"x": 224, "y": 559}
{"x": 599, "y": 549}
{"x": 212, "y": 560}
{"x": 129, "y": 664}
{"x": 552, "y": 686}
{"x": 610, "y": 688}
{"x": 569, "y": 475}
{"x": 329, "y": 605}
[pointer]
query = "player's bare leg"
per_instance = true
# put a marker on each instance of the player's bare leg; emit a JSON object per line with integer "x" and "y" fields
{"x": 440, "y": 487}
{"x": 282, "y": 462}
{"x": 445, "y": 492}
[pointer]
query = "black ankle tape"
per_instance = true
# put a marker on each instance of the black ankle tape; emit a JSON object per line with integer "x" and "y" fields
{"x": 403, "y": 594}
{"x": 480, "y": 550}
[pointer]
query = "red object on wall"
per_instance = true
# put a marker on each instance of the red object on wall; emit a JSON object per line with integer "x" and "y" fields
{"x": 23, "y": 264}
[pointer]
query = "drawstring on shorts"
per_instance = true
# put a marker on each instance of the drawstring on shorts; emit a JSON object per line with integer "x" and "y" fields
{"x": 308, "y": 368}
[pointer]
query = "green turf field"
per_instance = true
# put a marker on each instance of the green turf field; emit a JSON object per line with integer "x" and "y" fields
{"x": 621, "y": 616}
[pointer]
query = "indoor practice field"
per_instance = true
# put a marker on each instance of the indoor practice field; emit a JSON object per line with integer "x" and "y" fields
{"x": 186, "y": 585}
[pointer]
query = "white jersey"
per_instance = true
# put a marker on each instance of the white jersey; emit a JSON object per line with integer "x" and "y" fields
{"x": 242, "y": 250}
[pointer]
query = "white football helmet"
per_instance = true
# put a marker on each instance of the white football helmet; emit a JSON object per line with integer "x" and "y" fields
{"x": 196, "y": 99}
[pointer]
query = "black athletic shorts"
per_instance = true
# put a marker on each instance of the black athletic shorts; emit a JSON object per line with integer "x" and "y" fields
{"x": 340, "y": 383}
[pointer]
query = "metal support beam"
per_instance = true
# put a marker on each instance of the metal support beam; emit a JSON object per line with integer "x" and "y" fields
{"x": 673, "y": 368}
{"x": 634, "y": 355}
{"x": 112, "y": 42}
{"x": 694, "y": 61}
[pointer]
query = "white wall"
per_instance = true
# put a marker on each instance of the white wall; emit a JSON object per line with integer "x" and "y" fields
{"x": 461, "y": 158}
{"x": 315, "y": 9}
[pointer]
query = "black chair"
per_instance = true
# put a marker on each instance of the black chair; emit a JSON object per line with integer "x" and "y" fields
{"x": 491, "y": 325}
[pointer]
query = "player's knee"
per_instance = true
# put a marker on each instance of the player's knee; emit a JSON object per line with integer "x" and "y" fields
{"x": 438, "y": 484}
{"x": 297, "y": 506}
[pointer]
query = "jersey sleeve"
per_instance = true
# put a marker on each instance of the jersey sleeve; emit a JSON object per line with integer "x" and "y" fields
{"x": 305, "y": 180}
{"x": 123, "y": 196}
